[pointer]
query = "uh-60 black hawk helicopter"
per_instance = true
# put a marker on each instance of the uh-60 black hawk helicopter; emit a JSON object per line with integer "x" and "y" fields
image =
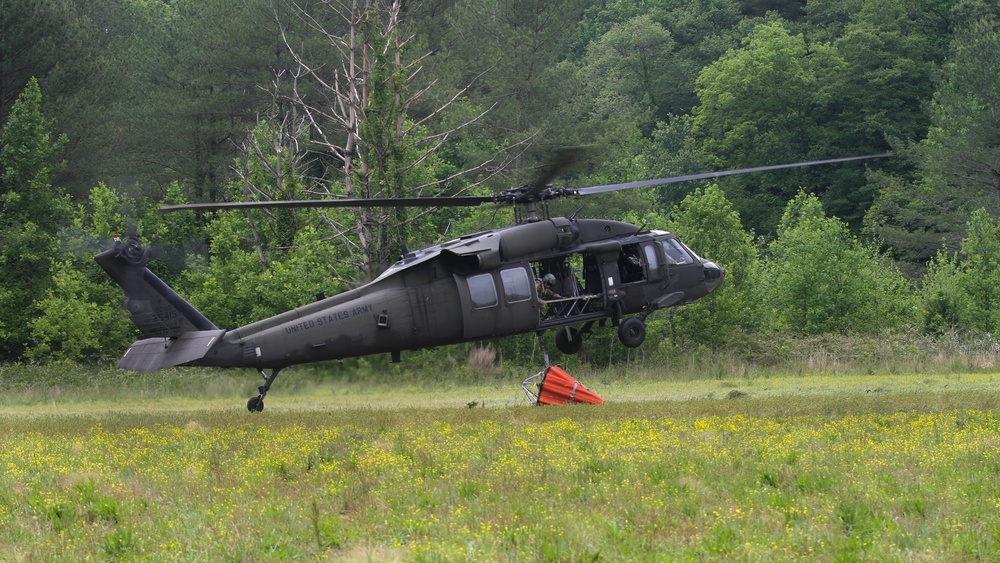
{"x": 543, "y": 273}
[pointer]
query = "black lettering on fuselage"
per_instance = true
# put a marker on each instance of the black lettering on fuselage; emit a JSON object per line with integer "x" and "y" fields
{"x": 298, "y": 327}
{"x": 328, "y": 318}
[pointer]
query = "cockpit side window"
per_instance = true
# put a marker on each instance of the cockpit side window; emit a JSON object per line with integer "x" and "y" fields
{"x": 652, "y": 262}
{"x": 651, "y": 252}
{"x": 675, "y": 252}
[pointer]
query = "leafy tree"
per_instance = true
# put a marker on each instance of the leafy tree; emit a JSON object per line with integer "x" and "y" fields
{"x": 788, "y": 9}
{"x": 86, "y": 96}
{"x": 628, "y": 82}
{"x": 29, "y": 151}
{"x": 963, "y": 147}
{"x": 941, "y": 299}
{"x": 232, "y": 289}
{"x": 914, "y": 219}
{"x": 960, "y": 290}
{"x": 979, "y": 260}
{"x": 505, "y": 49}
{"x": 818, "y": 279}
{"x": 626, "y": 68}
{"x": 708, "y": 223}
{"x": 44, "y": 40}
{"x": 700, "y": 31}
{"x": 957, "y": 162}
{"x": 225, "y": 56}
{"x": 599, "y": 17}
{"x": 639, "y": 67}
{"x": 891, "y": 49}
{"x": 965, "y": 12}
{"x": 703, "y": 31}
{"x": 32, "y": 211}
{"x": 263, "y": 262}
{"x": 825, "y": 20}
{"x": 765, "y": 99}
{"x": 924, "y": 24}
{"x": 80, "y": 317}
{"x": 181, "y": 82}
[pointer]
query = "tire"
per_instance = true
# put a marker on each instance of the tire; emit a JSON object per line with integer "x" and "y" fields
{"x": 632, "y": 332}
{"x": 569, "y": 340}
{"x": 255, "y": 404}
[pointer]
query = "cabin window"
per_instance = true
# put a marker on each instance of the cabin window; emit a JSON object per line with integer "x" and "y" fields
{"x": 676, "y": 255}
{"x": 483, "y": 291}
{"x": 516, "y": 285}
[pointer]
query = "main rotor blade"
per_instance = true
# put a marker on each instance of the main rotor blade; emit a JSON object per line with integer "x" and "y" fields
{"x": 565, "y": 158}
{"x": 461, "y": 201}
{"x": 719, "y": 174}
{"x": 536, "y": 192}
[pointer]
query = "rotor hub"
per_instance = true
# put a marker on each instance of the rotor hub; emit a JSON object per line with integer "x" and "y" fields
{"x": 134, "y": 252}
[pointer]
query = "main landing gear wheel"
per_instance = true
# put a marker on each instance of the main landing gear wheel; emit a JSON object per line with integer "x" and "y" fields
{"x": 569, "y": 340}
{"x": 632, "y": 332}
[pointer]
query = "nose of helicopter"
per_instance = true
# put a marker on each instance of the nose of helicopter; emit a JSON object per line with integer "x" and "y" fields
{"x": 714, "y": 275}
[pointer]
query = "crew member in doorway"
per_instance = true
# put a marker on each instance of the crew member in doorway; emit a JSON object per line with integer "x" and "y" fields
{"x": 630, "y": 264}
{"x": 544, "y": 289}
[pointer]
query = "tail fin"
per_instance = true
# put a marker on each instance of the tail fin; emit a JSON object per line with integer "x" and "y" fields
{"x": 155, "y": 308}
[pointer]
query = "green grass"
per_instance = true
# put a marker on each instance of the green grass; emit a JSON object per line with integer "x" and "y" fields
{"x": 113, "y": 466}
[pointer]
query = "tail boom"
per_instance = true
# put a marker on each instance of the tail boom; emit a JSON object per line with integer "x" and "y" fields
{"x": 156, "y": 309}
{"x": 175, "y": 332}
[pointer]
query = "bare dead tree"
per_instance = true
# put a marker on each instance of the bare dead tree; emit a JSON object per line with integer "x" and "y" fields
{"x": 272, "y": 144}
{"x": 359, "y": 107}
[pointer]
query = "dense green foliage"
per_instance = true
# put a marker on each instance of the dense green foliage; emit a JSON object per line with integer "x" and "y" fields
{"x": 818, "y": 279}
{"x": 110, "y": 107}
{"x": 31, "y": 211}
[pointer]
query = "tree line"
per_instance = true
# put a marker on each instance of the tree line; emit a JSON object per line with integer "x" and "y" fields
{"x": 113, "y": 107}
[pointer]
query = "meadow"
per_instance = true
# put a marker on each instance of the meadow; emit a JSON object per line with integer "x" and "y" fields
{"x": 171, "y": 466}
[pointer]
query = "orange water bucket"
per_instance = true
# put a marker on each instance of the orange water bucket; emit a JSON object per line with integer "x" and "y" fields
{"x": 556, "y": 387}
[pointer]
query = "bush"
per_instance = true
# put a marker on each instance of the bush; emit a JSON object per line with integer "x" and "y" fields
{"x": 817, "y": 279}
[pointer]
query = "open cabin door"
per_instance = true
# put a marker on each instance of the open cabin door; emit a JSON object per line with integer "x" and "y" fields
{"x": 602, "y": 273}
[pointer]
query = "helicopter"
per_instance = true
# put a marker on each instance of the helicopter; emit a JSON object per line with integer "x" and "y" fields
{"x": 564, "y": 274}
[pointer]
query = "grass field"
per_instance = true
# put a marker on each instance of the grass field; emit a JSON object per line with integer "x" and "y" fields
{"x": 779, "y": 468}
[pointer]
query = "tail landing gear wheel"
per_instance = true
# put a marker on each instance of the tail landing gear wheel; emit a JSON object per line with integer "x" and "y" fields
{"x": 632, "y": 332}
{"x": 255, "y": 404}
{"x": 569, "y": 340}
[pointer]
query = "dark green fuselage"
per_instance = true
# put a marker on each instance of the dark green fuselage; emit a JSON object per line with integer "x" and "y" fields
{"x": 476, "y": 287}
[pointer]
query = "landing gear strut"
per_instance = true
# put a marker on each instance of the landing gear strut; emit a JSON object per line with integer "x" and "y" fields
{"x": 256, "y": 404}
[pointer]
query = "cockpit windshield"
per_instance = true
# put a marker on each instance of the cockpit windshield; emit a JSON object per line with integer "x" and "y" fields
{"x": 677, "y": 254}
